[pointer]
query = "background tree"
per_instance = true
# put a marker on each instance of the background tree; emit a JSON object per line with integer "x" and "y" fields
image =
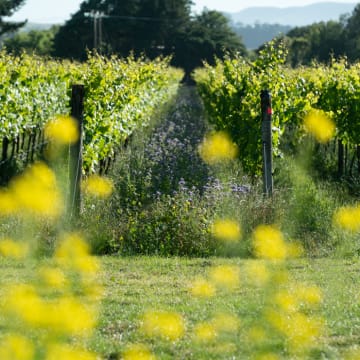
{"x": 151, "y": 27}
{"x": 8, "y": 8}
{"x": 34, "y": 41}
{"x": 206, "y": 37}
{"x": 319, "y": 41}
{"x": 127, "y": 25}
{"x": 352, "y": 32}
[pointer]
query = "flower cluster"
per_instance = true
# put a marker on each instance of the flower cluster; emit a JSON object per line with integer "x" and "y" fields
{"x": 217, "y": 148}
{"x": 60, "y": 305}
{"x": 320, "y": 126}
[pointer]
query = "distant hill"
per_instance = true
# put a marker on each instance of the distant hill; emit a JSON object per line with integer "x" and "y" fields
{"x": 293, "y": 15}
{"x": 255, "y": 35}
{"x": 36, "y": 26}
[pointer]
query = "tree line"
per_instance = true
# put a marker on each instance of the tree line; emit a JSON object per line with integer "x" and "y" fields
{"x": 168, "y": 27}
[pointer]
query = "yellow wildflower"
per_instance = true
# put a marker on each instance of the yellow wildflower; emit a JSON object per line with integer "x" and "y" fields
{"x": 62, "y": 130}
{"x": 13, "y": 249}
{"x": 8, "y": 204}
{"x": 352, "y": 354}
{"x": 217, "y": 147}
{"x": 98, "y": 186}
{"x": 320, "y": 125}
{"x": 303, "y": 331}
{"x": 225, "y": 276}
{"x": 163, "y": 324}
{"x": 65, "y": 315}
{"x": 23, "y": 302}
{"x": 69, "y": 316}
{"x": 202, "y": 288}
{"x": 226, "y": 230}
{"x": 269, "y": 243}
{"x": 205, "y": 331}
{"x": 16, "y": 347}
{"x": 36, "y": 192}
{"x": 137, "y": 352}
{"x": 66, "y": 352}
{"x": 294, "y": 250}
{"x": 74, "y": 253}
{"x": 348, "y": 217}
{"x": 277, "y": 319}
{"x": 287, "y": 301}
{"x": 52, "y": 277}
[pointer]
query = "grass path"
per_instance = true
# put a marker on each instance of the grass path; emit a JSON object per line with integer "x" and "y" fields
{"x": 135, "y": 285}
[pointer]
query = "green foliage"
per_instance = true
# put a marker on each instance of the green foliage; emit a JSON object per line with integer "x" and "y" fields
{"x": 319, "y": 42}
{"x": 153, "y": 27}
{"x": 172, "y": 225}
{"x": 231, "y": 95}
{"x": 7, "y": 8}
{"x": 34, "y": 41}
{"x": 120, "y": 96}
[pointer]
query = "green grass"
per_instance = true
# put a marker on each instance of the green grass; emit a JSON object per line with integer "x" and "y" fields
{"x": 134, "y": 285}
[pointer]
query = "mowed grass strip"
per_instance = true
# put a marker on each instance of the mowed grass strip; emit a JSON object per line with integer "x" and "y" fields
{"x": 134, "y": 286}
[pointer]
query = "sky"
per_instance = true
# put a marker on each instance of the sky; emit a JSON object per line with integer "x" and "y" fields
{"x": 58, "y": 11}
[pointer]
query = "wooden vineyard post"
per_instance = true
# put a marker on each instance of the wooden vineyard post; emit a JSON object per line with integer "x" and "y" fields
{"x": 75, "y": 171}
{"x": 266, "y": 136}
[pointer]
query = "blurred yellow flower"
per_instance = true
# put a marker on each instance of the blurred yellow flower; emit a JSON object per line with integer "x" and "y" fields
{"x": 320, "y": 126}
{"x": 66, "y": 352}
{"x": 303, "y": 331}
{"x": 68, "y": 315}
{"x": 16, "y": 347}
{"x": 73, "y": 252}
{"x": 277, "y": 319}
{"x": 224, "y": 322}
{"x": 23, "y": 302}
{"x": 98, "y": 186}
{"x": 225, "y": 276}
{"x": 13, "y": 249}
{"x": 226, "y": 230}
{"x": 348, "y": 217}
{"x": 64, "y": 316}
{"x": 137, "y": 352}
{"x": 36, "y": 192}
{"x": 352, "y": 354}
{"x": 287, "y": 301}
{"x": 257, "y": 272}
{"x": 62, "y": 130}
{"x": 52, "y": 277}
{"x": 205, "y": 331}
{"x": 202, "y": 288}
{"x": 167, "y": 325}
{"x": 294, "y": 250}
{"x": 217, "y": 147}
{"x": 269, "y": 243}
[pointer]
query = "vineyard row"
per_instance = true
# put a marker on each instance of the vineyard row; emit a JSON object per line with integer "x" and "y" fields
{"x": 231, "y": 90}
{"x": 120, "y": 96}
